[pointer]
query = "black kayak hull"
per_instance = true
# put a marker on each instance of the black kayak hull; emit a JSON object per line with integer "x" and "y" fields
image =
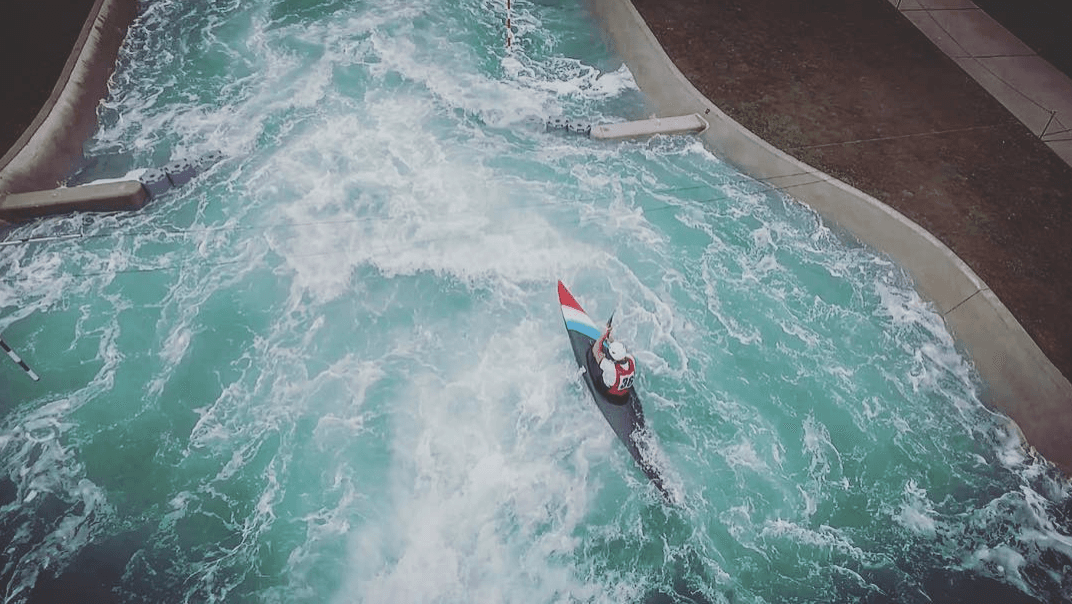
{"x": 626, "y": 417}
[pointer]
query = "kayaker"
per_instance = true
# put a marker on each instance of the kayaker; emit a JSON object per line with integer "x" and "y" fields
{"x": 616, "y": 368}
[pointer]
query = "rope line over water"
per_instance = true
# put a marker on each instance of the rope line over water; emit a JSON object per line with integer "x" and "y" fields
{"x": 765, "y": 186}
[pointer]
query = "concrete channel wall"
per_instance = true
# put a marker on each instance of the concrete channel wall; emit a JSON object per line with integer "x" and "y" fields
{"x": 52, "y": 144}
{"x": 1019, "y": 380}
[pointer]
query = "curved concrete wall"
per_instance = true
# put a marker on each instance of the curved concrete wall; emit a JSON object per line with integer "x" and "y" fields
{"x": 52, "y": 144}
{"x": 1019, "y": 379}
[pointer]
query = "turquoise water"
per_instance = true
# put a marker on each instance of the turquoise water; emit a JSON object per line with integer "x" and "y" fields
{"x": 333, "y": 368}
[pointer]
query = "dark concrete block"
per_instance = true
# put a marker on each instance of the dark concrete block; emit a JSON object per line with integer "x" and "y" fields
{"x": 155, "y": 181}
{"x": 208, "y": 160}
{"x": 180, "y": 172}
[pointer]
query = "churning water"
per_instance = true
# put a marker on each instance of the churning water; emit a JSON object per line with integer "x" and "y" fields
{"x": 333, "y": 368}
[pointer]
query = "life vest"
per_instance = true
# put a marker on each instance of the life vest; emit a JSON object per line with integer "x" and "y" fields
{"x": 624, "y": 371}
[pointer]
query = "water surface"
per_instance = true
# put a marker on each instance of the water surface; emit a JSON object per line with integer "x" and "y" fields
{"x": 333, "y": 367}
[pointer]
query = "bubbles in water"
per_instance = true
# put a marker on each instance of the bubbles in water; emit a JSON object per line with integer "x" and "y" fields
{"x": 332, "y": 368}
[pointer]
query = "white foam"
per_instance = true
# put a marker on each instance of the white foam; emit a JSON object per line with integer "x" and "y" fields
{"x": 917, "y": 512}
{"x": 392, "y": 242}
{"x": 37, "y": 455}
{"x": 484, "y": 502}
{"x": 743, "y": 454}
{"x": 823, "y": 537}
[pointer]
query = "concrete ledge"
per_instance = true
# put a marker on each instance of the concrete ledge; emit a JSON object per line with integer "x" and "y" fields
{"x": 1019, "y": 379}
{"x": 1028, "y": 383}
{"x": 682, "y": 124}
{"x": 52, "y": 144}
{"x": 106, "y": 197}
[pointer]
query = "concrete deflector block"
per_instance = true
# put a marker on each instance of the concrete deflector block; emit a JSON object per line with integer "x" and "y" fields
{"x": 155, "y": 181}
{"x": 207, "y": 160}
{"x": 180, "y": 172}
{"x": 682, "y": 124}
{"x": 105, "y": 197}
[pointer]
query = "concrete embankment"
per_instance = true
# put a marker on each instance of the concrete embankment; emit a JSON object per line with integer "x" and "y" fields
{"x": 1019, "y": 379}
{"x": 52, "y": 145}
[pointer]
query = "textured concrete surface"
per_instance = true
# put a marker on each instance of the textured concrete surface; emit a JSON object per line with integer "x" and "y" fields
{"x": 52, "y": 145}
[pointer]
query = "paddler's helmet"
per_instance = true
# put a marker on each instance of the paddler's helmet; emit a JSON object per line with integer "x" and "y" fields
{"x": 616, "y": 351}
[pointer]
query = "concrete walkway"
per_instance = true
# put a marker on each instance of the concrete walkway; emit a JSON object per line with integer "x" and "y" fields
{"x": 1031, "y": 89}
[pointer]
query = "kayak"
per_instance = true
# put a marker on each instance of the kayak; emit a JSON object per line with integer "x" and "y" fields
{"x": 625, "y": 416}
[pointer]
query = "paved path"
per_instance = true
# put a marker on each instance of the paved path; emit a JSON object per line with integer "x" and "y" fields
{"x": 1027, "y": 85}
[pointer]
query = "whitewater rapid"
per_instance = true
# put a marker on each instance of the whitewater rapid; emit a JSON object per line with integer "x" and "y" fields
{"x": 333, "y": 369}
